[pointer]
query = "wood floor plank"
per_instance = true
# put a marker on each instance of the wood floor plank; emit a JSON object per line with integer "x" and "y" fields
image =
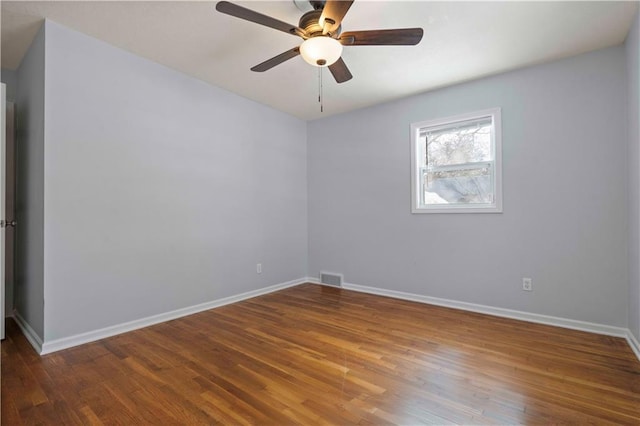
{"x": 326, "y": 356}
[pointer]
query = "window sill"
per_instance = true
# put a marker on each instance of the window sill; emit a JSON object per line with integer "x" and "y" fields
{"x": 449, "y": 209}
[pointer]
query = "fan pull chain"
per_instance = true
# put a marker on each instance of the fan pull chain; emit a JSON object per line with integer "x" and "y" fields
{"x": 320, "y": 97}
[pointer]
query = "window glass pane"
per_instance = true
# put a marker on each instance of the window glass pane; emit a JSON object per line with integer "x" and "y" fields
{"x": 456, "y": 164}
{"x": 471, "y": 186}
{"x": 459, "y": 143}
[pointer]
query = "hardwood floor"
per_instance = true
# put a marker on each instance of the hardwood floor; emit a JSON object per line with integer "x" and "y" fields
{"x": 319, "y": 355}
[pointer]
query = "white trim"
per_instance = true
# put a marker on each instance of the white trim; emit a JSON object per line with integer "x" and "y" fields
{"x": 79, "y": 339}
{"x": 91, "y": 336}
{"x": 499, "y": 312}
{"x": 633, "y": 342}
{"x": 29, "y": 333}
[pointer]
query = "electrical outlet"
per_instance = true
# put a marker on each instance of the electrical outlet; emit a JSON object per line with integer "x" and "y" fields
{"x": 527, "y": 284}
{"x": 259, "y": 268}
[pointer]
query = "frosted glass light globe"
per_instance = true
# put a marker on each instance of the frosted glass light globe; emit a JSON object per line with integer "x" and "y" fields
{"x": 321, "y": 51}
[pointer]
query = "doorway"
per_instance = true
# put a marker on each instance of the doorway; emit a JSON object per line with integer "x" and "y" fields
{"x": 10, "y": 210}
{"x": 7, "y": 210}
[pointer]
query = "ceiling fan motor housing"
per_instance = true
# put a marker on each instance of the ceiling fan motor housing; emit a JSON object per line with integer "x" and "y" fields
{"x": 310, "y": 22}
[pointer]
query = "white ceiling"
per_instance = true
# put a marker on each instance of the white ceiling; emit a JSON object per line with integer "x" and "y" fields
{"x": 462, "y": 41}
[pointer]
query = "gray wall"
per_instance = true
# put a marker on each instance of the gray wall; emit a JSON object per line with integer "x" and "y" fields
{"x": 633, "y": 82}
{"x": 565, "y": 215}
{"x": 162, "y": 191}
{"x": 30, "y": 103}
{"x": 10, "y": 78}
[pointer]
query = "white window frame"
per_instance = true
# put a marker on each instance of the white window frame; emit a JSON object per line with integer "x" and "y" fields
{"x": 496, "y": 145}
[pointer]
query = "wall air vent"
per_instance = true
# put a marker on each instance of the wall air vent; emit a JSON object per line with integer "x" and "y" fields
{"x": 329, "y": 278}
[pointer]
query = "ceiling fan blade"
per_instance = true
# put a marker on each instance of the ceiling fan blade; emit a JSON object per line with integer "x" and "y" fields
{"x": 258, "y": 18}
{"x": 332, "y": 14}
{"x": 277, "y": 60}
{"x": 403, "y": 37}
{"x": 340, "y": 71}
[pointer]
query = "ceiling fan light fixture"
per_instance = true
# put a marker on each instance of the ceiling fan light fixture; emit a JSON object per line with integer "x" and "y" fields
{"x": 321, "y": 51}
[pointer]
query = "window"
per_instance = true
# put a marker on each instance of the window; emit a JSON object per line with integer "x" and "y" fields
{"x": 456, "y": 164}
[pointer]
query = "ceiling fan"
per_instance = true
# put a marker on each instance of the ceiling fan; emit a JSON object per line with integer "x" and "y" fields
{"x": 321, "y": 30}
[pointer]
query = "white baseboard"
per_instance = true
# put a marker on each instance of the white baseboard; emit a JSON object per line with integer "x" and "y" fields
{"x": 501, "y": 312}
{"x": 490, "y": 310}
{"x": 28, "y": 331}
{"x": 633, "y": 342}
{"x": 79, "y": 339}
{"x": 91, "y": 336}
